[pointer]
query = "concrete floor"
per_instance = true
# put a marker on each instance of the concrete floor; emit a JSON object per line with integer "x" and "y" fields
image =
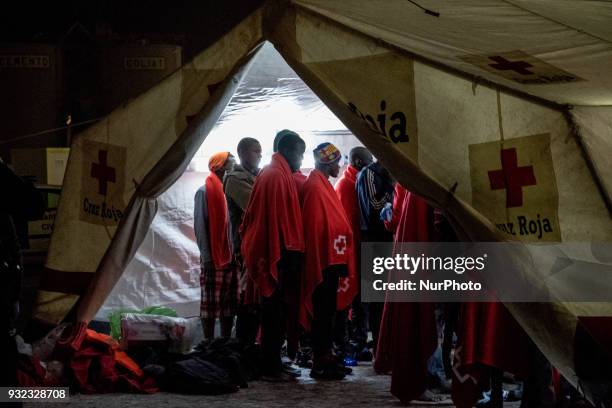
{"x": 361, "y": 389}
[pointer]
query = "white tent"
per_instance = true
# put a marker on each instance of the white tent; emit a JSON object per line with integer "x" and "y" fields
{"x": 165, "y": 269}
{"x": 442, "y": 97}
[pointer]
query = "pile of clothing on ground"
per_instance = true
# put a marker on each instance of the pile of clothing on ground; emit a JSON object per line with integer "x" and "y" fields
{"x": 90, "y": 362}
{"x": 84, "y": 360}
{"x": 216, "y": 367}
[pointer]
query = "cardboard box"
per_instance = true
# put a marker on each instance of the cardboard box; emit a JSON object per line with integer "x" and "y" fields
{"x": 32, "y": 83}
{"x": 126, "y": 71}
{"x": 39, "y": 231}
{"x": 47, "y": 165}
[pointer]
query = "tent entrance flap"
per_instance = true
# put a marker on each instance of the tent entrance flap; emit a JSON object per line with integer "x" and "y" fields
{"x": 147, "y": 143}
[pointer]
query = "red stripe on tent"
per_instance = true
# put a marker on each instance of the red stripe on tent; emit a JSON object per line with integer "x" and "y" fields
{"x": 73, "y": 283}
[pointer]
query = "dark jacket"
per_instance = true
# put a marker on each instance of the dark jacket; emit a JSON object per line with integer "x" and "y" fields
{"x": 374, "y": 190}
{"x": 20, "y": 200}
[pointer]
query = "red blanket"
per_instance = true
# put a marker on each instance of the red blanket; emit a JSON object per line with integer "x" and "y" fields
{"x": 272, "y": 221}
{"x": 398, "y": 203}
{"x": 217, "y": 222}
{"x": 347, "y": 193}
{"x": 488, "y": 337}
{"x": 408, "y": 334}
{"x": 300, "y": 179}
{"x": 329, "y": 241}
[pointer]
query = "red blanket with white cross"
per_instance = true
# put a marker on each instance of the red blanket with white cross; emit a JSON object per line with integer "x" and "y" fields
{"x": 328, "y": 239}
{"x": 272, "y": 222}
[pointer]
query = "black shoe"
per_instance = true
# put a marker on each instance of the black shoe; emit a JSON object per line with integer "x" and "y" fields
{"x": 304, "y": 358}
{"x": 347, "y": 370}
{"x": 339, "y": 361}
{"x": 292, "y": 369}
{"x": 328, "y": 372}
{"x": 280, "y": 377}
{"x": 365, "y": 355}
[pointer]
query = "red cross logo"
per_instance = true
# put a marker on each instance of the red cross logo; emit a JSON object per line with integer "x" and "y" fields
{"x": 343, "y": 284}
{"x": 340, "y": 244}
{"x": 512, "y": 178}
{"x": 502, "y": 64}
{"x": 103, "y": 172}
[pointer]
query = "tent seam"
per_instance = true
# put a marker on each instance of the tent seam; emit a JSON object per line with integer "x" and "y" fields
{"x": 574, "y": 129}
{"x": 556, "y": 22}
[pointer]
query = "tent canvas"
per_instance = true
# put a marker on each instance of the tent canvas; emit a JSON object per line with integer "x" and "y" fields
{"x": 438, "y": 100}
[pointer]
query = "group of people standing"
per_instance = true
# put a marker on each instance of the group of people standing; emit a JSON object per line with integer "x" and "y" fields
{"x": 280, "y": 250}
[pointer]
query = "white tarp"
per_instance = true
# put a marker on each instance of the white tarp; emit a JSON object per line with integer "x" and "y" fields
{"x": 270, "y": 98}
{"x": 165, "y": 270}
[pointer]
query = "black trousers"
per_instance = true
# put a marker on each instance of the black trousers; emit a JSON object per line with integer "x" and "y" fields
{"x": 537, "y": 387}
{"x": 341, "y": 334}
{"x": 375, "y": 310}
{"x": 376, "y": 233}
{"x": 247, "y": 323}
{"x": 358, "y": 331}
{"x": 272, "y": 328}
{"x": 274, "y": 315}
{"x": 324, "y": 312}
{"x": 451, "y": 321}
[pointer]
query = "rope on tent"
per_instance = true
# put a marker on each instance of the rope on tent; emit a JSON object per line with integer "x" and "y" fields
{"x": 42, "y": 132}
{"x": 475, "y": 85}
{"x": 499, "y": 116}
{"x": 426, "y": 10}
{"x": 104, "y": 221}
{"x": 449, "y": 195}
{"x": 501, "y": 132}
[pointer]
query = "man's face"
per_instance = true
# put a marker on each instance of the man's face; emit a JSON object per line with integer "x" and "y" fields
{"x": 367, "y": 161}
{"x": 334, "y": 168}
{"x": 229, "y": 165}
{"x": 251, "y": 157}
{"x": 295, "y": 156}
{"x": 363, "y": 161}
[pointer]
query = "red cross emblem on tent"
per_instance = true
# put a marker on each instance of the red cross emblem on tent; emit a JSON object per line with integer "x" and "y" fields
{"x": 514, "y": 185}
{"x": 520, "y": 67}
{"x": 102, "y": 181}
{"x": 340, "y": 244}
{"x": 512, "y": 178}
{"x": 502, "y": 64}
{"x": 103, "y": 172}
